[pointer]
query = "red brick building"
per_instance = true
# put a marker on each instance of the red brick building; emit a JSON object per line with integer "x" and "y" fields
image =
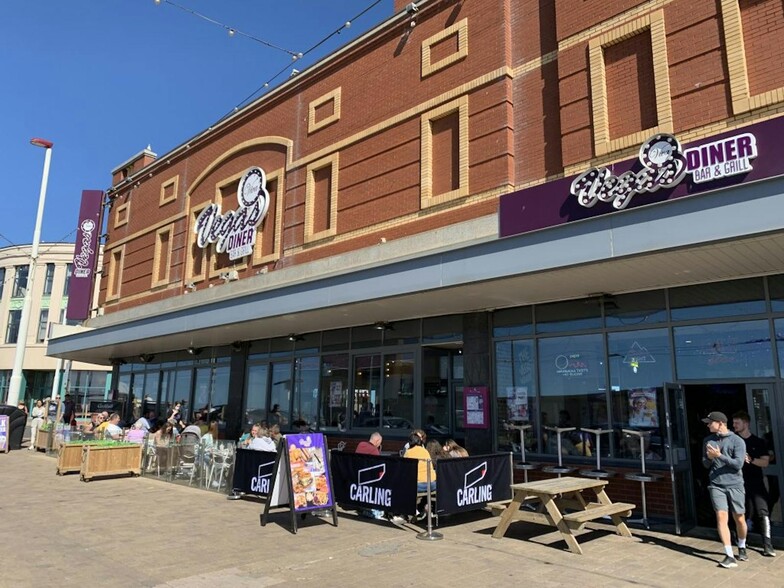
{"x": 568, "y": 207}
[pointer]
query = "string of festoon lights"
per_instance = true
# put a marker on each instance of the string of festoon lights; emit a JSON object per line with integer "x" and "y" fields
{"x": 294, "y": 55}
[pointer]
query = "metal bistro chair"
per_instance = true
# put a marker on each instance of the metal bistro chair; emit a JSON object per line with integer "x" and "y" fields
{"x": 220, "y": 465}
{"x": 642, "y": 476}
{"x": 187, "y": 462}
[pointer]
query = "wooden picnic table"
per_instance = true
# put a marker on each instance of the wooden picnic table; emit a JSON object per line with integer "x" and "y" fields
{"x": 553, "y": 498}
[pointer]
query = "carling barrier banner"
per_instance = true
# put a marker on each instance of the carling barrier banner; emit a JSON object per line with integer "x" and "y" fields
{"x": 375, "y": 481}
{"x": 253, "y": 471}
{"x": 469, "y": 483}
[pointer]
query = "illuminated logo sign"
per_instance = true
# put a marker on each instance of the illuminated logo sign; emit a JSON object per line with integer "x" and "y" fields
{"x": 235, "y": 231}
{"x": 83, "y": 259}
{"x": 664, "y": 165}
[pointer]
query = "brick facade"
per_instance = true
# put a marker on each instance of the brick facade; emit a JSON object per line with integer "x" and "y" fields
{"x": 417, "y": 128}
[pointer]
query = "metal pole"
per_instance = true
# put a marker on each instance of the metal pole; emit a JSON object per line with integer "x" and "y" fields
{"x": 15, "y": 385}
{"x": 429, "y": 535}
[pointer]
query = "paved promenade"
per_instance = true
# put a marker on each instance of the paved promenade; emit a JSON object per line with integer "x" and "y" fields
{"x": 58, "y": 531}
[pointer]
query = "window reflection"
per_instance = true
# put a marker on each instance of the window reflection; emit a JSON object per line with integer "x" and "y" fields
{"x": 256, "y": 397}
{"x": 732, "y": 298}
{"x": 334, "y": 392}
{"x": 516, "y": 395}
{"x": 306, "y": 388}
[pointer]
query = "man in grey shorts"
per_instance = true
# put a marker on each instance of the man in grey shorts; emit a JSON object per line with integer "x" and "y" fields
{"x": 725, "y": 454}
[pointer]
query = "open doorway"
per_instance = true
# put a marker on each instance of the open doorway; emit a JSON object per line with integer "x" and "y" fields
{"x": 700, "y": 400}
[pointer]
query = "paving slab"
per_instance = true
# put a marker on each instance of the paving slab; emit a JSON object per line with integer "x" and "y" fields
{"x": 60, "y": 531}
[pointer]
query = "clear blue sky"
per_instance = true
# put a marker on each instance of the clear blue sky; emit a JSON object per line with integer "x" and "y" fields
{"x": 102, "y": 79}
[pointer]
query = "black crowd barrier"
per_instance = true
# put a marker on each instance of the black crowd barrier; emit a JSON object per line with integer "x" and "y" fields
{"x": 469, "y": 483}
{"x": 374, "y": 482}
{"x": 253, "y": 471}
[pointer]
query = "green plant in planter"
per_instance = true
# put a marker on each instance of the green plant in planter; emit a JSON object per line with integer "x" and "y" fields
{"x": 45, "y": 427}
{"x": 97, "y": 442}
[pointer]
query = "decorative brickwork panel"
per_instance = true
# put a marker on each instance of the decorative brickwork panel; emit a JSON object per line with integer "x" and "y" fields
{"x": 763, "y": 40}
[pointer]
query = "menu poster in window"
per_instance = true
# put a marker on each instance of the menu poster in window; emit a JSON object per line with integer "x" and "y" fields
{"x": 309, "y": 482}
{"x": 476, "y": 406}
{"x": 642, "y": 408}
{"x": 335, "y": 394}
{"x": 517, "y": 403}
{"x": 4, "y": 439}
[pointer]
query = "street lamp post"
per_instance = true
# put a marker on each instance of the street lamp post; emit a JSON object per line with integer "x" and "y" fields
{"x": 24, "y": 321}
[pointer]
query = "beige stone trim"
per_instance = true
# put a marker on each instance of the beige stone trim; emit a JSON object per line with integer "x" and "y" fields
{"x": 277, "y": 175}
{"x": 653, "y": 22}
{"x": 162, "y": 257}
{"x": 427, "y": 198}
{"x": 460, "y": 29}
{"x": 146, "y": 230}
{"x": 415, "y": 111}
{"x": 334, "y": 97}
{"x": 175, "y": 182}
{"x": 121, "y": 214}
{"x": 310, "y": 199}
{"x": 433, "y": 211}
{"x": 730, "y": 124}
{"x": 612, "y": 23}
{"x": 116, "y": 261}
{"x": 735, "y": 50}
{"x": 272, "y": 139}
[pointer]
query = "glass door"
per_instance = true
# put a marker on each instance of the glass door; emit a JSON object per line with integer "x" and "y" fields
{"x": 678, "y": 459}
{"x": 761, "y": 409}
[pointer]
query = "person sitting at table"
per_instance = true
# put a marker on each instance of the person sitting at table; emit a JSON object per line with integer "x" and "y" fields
{"x": 163, "y": 436}
{"x": 417, "y": 451}
{"x": 113, "y": 429}
{"x": 370, "y": 447}
{"x": 90, "y": 426}
{"x": 262, "y": 441}
{"x": 246, "y": 438}
{"x": 104, "y": 422}
{"x": 452, "y": 449}
{"x": 275, "y": 434}
{"x": 436, "y": 450}
{"x": 145, "y": 421}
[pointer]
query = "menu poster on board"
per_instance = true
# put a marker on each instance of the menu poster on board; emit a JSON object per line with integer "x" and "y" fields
{"x": 4, "y": 438}
{"x": 477, "y": 407}
{"x": 304, "y": 458}
{"x": 517, "y": 403}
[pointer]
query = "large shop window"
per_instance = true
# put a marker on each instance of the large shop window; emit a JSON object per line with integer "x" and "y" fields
{"x": 725, "y": 350}
{"x": 572, "y": 315}
{"x": 306, "y": 390}
{"x": 256, "y": 398}
{"x": 635, "y": 310}
{"x": 516, "y": 394}
{"x": 639, "y": 365}
{"x": 573, "y": 389}
{"x": 779, "y": 327}
{"x": 383, "y": 395}
{"x": 334, "y": 392}
{"x": 732, "y": 298}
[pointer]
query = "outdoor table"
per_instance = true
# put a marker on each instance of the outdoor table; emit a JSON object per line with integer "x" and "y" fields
{"x": 555, "y": 496}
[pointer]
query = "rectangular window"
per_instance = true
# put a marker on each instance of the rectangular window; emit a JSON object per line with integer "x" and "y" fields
{"x": 306, "y": 382}
{"x": 334, "y": 392}
{"x": 67, "y": 285}
{"x": 69, "y": 322}
{"x": 20, "y": 280}
{"x": 2, "y": 281}
{"x": 321, "y": 199}
{"x": 49, "y": 279}
{"x": 515, "y": 394}
{"x": 115, "y": 273}
{"x": 163, "y": 245}
{"x": 43, "y": 323}
{"x": 12, "y": 330}
{"x": 445, "y": 133}
{"x": 256, "y": 395}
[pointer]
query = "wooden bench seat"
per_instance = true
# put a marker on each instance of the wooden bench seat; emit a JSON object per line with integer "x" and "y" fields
{"x": 592, "y": 513}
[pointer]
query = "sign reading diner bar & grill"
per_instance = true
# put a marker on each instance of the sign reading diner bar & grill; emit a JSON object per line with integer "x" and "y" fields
{"x": 235, "y": 231}
{"x": 663, "y": 170}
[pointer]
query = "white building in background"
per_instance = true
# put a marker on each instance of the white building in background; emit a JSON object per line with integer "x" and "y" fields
{"x": 50, "y": 299}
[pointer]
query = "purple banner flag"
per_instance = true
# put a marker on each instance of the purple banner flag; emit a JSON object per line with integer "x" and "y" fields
{"x": 80, "y": 288}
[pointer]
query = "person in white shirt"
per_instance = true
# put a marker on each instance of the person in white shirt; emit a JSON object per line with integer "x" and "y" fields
{"x": 113, "y": 429}
{"x": 263, "y": 442}
{"x": 145, "y": 421}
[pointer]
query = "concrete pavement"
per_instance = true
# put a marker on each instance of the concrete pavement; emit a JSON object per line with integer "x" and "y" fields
{"x": 59, "y": 531}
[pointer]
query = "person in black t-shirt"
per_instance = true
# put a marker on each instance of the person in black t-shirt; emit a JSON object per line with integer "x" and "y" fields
{"x": 757, "y": 458}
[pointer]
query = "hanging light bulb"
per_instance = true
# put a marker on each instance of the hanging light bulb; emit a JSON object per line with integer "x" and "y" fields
{"x": 347, "y": 25}
{"x": 635, "y": 364}
{"x": 158, "y": 2}
{"x": 231, "y": 32}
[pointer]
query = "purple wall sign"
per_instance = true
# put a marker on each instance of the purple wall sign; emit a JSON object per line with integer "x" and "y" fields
{"x": 80, "y": 288}
{"x": 663, "y": 170}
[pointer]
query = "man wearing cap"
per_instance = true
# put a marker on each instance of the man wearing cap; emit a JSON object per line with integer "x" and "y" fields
{"x": 725, "y": 454}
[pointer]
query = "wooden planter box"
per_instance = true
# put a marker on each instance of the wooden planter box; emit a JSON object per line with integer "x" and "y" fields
{"x": 111, "y": 460}
{"x": 69, "y": 458}
{"x": 41, "y": 440}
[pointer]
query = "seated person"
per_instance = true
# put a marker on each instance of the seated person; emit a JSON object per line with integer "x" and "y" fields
{"x": 262, "y": 441}
{"x": 113, "y": 429}
{"x": 452, "y": 449}
{"x": 96, "y": 419}
{"x": 145, "y": 421}
{"x": 246, "y": 438}
{"x": 435, "y": 449}
{"x": 417, "y": 451}
{"x": 372, "y": 446}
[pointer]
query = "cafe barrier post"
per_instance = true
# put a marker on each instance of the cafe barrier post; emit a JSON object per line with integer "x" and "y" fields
{"x": 429, "y": 535}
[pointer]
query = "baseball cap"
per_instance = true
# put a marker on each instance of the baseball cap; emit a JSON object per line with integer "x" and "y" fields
{"x": 715, "y": 416}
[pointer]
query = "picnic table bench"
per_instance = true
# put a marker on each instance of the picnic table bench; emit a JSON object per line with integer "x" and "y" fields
{"x": 553, "y": 498}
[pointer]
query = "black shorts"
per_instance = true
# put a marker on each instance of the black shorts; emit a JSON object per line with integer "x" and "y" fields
{"x": 756, "y": 501}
